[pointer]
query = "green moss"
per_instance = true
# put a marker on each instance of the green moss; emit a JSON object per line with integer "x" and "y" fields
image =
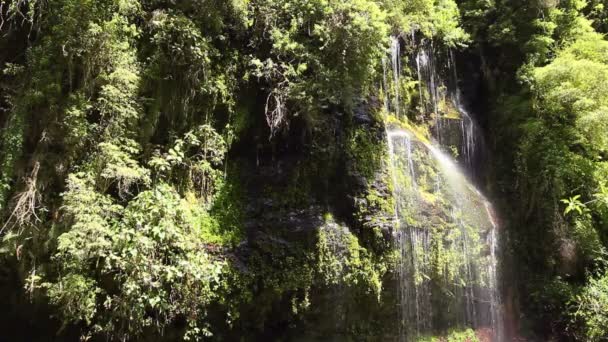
{"x": 223, "y": 223}
{"x": 428, "y": 197}
{"x": 366, "y": 151}
{"x": 467, "y": 335}
{"x": 375, "y": 210}
{"x": 280, "y": 273}
{"x": 382, "y": 203}
{"x": 343, "y": 261}
{"x": 449, "y": 111}
{"x": 421, "y": 131}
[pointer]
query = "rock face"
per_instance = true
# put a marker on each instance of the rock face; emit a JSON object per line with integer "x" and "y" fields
{"x": 318, "y": 257}
{"x": 324, "y": 252}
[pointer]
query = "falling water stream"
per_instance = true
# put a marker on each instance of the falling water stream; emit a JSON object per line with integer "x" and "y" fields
{"x": 446, "y": 229}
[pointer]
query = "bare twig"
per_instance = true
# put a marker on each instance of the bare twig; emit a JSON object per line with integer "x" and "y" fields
{"x": 275, "y": 111}
{"x": 1, "y": 15}
{"x": 26, "y": 202}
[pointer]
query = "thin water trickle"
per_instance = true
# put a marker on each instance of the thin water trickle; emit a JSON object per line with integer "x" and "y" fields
{"x": 396, "y": 67}
{"x": 385, "y": 86}
{"x": 470, "y": 132}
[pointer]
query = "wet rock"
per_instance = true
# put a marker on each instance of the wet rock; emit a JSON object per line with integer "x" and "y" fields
{"x": 568, "y": 258}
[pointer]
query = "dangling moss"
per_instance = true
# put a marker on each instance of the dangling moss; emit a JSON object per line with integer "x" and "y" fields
{"x": 11, "y": 149}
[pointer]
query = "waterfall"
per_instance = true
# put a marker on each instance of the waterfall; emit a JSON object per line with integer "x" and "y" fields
{"x": 431, "y": 87}
{"x": 448, "y": 243}
{"x": 469, "y": 134}
{"x": 415, "y": 299}
{"x": 445, "y": 229}
{"x": 440, "y": 98}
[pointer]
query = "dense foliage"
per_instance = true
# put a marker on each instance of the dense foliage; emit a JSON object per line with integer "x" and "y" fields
{"x": 545, "y": 67}
{"x": 204, "y": 169}
{"x": 125, "y": 177}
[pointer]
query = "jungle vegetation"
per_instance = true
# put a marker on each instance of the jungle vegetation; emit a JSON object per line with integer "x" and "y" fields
{"x": 136, "y": 138}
